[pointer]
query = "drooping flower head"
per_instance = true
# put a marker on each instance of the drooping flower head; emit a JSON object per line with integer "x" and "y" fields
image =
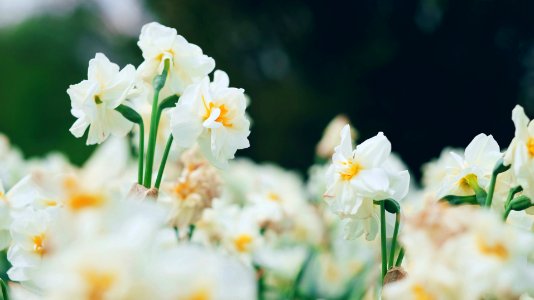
{"x": 212, "y": 114}
{"x": 94, "y": 100}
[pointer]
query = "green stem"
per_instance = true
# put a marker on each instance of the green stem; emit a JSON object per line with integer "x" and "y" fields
{"x": 260, "y": 282}
{"x": 300, "y": 274}
{"x": 159, "y": 82}
{"x": 506, "y": 213}
{"x": 383, "y": 246}
{"x": 498, "y": 169}
{"x": 394, "y": 240}
{"x": 163, "y": 161}
{"x": 191, "y": 231}
{"x": 399, "y": 258}
{"x": 491, "y": 189}
{"x": 141, "y": 152}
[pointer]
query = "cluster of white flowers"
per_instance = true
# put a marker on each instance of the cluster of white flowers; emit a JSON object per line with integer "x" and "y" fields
{"x": 210, "y": 227}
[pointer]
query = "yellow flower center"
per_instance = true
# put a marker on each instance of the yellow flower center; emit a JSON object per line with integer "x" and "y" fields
{"x": 82, "y": 201}
{"x": 223, "y": 117}
{"x": 464, "y": 182}
{"x": 98, "y": 283}
{"x": 420, "y": 293}
{"x": 498, "y": 249}
{"x": 242, "y": 242}
{"x": 530, "y": 146}
{"x": 39, "y": 244}
{"x": 351, "y": 170}
{"x": 3, "y": 197}
{"x": 182, "y": 190}
{"x": 202, "y": 294}
{"x": 273, "y": 197}
{"x": 50, "y": 202}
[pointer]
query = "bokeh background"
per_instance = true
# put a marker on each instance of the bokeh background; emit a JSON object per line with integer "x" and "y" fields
{"x": 429, "y": 73}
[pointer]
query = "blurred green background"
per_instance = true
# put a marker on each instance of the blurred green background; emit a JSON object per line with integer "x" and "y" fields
{"x": 429, "y": 73}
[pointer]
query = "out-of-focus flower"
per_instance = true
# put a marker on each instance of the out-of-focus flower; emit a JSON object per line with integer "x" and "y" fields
{"x": 187, "y": 62}
{"x": 214, "y": 115}
{"x": 94, "y": 100}
{"x": 520, "y": 153}
{"x": 205, "y": 274}
{"x": 477, "y": 163}
{"x": 5, "y": 219}
{"x": 13, "y": 166}
{"x": 330, "y": 139}
{"x": 357, "y": 177}
{"x": 194, "y": 190}
{"x": 435, "y": 171}
{"x": 463, "y": 244}
{"x": 30, "y": 244}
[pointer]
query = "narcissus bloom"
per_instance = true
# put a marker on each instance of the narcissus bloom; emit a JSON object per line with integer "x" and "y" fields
{"x": 187, "y": 62}
{"x": 477, "y": 163}
{"x": 187, "y": 196}
{"x": 214, "y": 115}
{"x": 520, "y": 154}
{"x": 357, "y": 177}
{"x": 94, "y": 100}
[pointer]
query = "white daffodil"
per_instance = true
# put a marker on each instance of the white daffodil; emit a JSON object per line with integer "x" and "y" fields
{"x": 13, "y": 166}
{"x": 463, "y": 244}
{"x": 192, "y": 192}
{"x": 357, "y": 177}
{"x": 187, "y": 62}
{"x": 5, "y": 219}
{"x": 520, "y": 153}
{"x": 29, "y": 231}
{"x": 214, "y": 115}
{"x": 477, "y": 163}
{"x": 193, "y": 272}
{"x": 94, "y": 100}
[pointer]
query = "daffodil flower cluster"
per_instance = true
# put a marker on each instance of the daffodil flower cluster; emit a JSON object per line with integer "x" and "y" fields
{"x": 199, "y": 224}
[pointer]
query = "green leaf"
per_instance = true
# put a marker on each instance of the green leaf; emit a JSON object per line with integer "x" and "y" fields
{"x": 5, "y": 294}
{"x": 168, "y": 102}
{"x": 459, "y": 200}
{"x": 520, "y": 203}
{"x": 129, "y": 113}
{"x": 390, "y": 205}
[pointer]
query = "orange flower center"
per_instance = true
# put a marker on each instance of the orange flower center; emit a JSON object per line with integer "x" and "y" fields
{"x": 420, "y": 293}
{"x": 202, "y": 294}
{"x": 498, "y": 250}
{"x": 182, "y": 190}
{"x": 99, "y": 284}
{"x": 82, "y": 201}
{"x": 223, "y": 117}
{"x": 530, "y": 146}
{"x": 39, "y": 244}
{"x": 242, "y": 242}
{"x": 351, "y": 170}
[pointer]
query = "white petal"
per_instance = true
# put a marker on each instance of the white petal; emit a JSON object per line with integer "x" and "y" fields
{"x": 483, "y": 150}
{"x": 371, "y": 183}
{"x": 374, "y": 151}
{"x": 79, "y": 127}
{"x": 186, "y": 127}
{"x": 520, "y": 121}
